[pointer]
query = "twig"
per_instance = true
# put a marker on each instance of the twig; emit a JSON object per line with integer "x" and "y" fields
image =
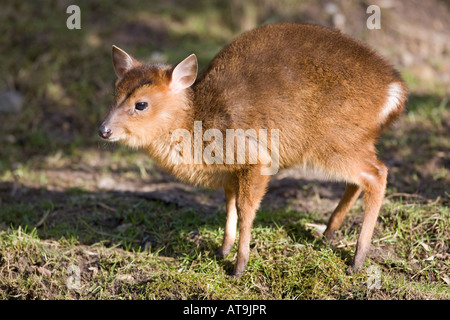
{"x": 407, "y": 195}
{"x": 105, "y": 206}
{"x": 41, "y": 222}
{"x": 386, "y": 237}
{"x": 435, "y": 201}
{"x": 343, "y": 245}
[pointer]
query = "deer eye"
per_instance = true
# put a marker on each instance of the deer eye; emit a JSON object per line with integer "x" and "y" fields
{"x": 141, "y": 106}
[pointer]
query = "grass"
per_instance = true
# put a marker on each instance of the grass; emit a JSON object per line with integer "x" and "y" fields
{"x": 130, "y": 248}
{"x": 190, "y": 272}
{"x": 84, "y": 220}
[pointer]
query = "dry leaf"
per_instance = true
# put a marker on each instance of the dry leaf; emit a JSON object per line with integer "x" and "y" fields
{"x": 94, "y": 271}
{"x": 425, "y": 246}
{"x": 320, "y": 228}
{"x": 43, "y": 271}
{"x": 125, "y": 277}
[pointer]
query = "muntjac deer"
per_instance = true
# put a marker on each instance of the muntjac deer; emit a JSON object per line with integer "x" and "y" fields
{"x": 279, "y": 96}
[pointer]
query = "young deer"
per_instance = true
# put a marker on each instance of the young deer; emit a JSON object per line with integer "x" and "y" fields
{"x": 326, "y": 96}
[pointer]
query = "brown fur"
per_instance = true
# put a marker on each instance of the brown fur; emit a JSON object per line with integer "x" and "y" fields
{"x": 324, "y": 92}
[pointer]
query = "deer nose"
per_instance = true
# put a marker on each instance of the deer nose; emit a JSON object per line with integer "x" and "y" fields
{"x": 104, "y": 132}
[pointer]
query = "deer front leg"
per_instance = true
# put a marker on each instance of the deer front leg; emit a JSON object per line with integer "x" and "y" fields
{"x": 230, "y": 225}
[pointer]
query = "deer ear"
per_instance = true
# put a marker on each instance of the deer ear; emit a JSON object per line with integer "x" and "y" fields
{"x": 122, "y": 61}
{"x": 184, "y": 74}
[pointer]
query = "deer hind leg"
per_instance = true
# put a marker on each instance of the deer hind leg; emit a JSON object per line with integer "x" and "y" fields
{"x": 372, "y": 176}
{"x": 351, "y": 193}
{"x": 367, "y": 174}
